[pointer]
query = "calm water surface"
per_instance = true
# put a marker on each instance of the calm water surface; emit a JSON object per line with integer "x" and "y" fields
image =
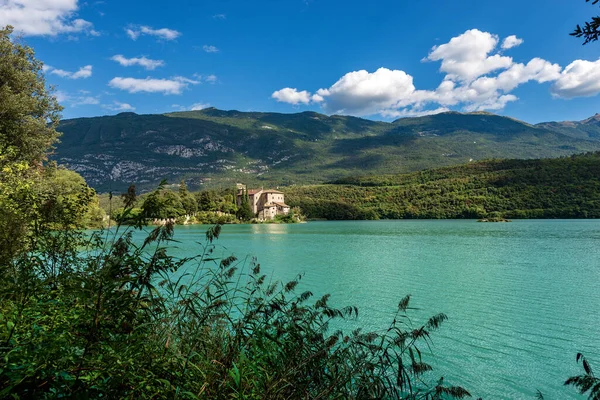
{"x": 522, "y": 298}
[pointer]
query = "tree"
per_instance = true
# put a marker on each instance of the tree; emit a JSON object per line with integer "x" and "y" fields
{"x": 65, "y": 200}
{"x": 29, "y": 113}
{"x": 244, "y": 212}
{"x": 206, "y": 200}
{"x": 162, "y": 203}
{"x": 591, "y": 30}
{"x": 187, "y": 200}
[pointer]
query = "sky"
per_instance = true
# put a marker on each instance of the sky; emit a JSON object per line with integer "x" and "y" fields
{"x": 380, "y": 59}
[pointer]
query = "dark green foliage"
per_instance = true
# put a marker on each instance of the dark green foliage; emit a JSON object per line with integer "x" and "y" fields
{"x": 586, "y": 383}
{"x": 129, "y": 197}
{"x": 591, "y": 30}
{"x": 162, "y": 204}
{"x": 567, "y": 187}
{"x": 206, "y": 200}
{"x": 30, "y": 113}
{"x": 188, "y": 201}
{"x": 244, "y": 211}
{"x": 212, "y": 148}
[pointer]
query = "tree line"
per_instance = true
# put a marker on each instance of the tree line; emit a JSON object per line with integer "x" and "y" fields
{"x": 567, "y": 187}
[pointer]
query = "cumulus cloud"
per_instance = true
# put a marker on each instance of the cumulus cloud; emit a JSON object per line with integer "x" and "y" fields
{"x": 44, "y": 17}
{"x": 467, "y": 56}
{"x": 362, "y": 92}
{"x": 82, "y": 73}
{"x": 211, "y": 79}
{"x": 134, "y": 32}
{"x": 476, "y": 77}
{"x": 174, "y": 85}
{"x": 581, "y": 78}
{"x": 511, "y": 41}
{"x": 199, "y": 106}
{"x": 210, "y": 49}
{"x": 144, "y": 62}
{"x": 291, "y": 96}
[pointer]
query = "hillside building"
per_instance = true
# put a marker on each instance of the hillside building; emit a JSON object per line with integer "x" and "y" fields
{"x": 265, "y": 203}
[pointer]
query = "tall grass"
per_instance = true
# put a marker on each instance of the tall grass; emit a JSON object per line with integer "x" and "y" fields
{"x": 122, "y": 319}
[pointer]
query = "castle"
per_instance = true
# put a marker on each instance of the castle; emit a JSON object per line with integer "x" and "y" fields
{"x": 265, "y": 203}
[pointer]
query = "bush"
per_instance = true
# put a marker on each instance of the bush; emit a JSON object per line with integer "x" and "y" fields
{"x": 124, "y": 320}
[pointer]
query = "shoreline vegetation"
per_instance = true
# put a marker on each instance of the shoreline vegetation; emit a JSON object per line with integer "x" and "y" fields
{"x": 102, "y": 316}
{"x": 491, "y": 190}
{"x": 566, "y": 187}
{"x": 182, "y": 207}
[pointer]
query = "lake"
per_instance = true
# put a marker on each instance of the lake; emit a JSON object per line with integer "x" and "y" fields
{"x": 522, "y": 298}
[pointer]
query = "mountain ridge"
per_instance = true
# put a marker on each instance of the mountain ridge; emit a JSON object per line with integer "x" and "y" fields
{"x": 219, "y": 147}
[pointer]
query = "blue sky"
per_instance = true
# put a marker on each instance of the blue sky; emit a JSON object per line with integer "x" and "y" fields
{"x": 378, "y": 59}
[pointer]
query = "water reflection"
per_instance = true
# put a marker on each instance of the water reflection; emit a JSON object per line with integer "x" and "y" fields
{"x": 270, "y": 229}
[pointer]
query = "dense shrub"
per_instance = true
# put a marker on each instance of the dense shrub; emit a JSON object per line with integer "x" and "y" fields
{"x": 121, "y": 319}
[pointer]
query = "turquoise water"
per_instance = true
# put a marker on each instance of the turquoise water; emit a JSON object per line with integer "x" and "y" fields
{"x": 522, "y": 298}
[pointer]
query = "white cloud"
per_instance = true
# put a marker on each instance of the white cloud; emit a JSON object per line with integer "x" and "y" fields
{"x": 118, "y": 106}
{"x": 199, "y": 106}
{"x": 477, "y": 77}
{"x": 135, "y": 32}
{"x": 511, "y": 41}
{"x": 581, "y": 78}
{"x": 44, "y": 17}
{"x": 467, "y": 56}
{"x": 61, "y": 96}
{"x": 363, "y": 93}
{"x": 82, "y": 73}
{"x": 412, "y": 112}
{"x": 537, "y": 69}
{"x": 85, "y": 101}
{"x": 144, "y": 62}
{"x": 493, "y": 103}
{"x": 76, "y": 100}
{"x": 219, "y": 16}
{"x": 210, "y": 49}
{"x": 186, "y": 80}
{"x": 210, "y": 79}
{"x": 291, "y": 96}
{"x": 166, "y": 86}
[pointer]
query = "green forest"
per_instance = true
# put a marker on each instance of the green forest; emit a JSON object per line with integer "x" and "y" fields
{"x": 567, "y": 187}
{"x": 97, "y": 315}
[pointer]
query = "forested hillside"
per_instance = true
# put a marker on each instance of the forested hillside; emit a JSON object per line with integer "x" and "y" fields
{"x": 567, "y": 187}
{"x": 211, "y": 148}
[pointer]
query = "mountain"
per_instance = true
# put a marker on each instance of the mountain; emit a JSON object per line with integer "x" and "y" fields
{"x": 586, "y": 129}
{"x": 215, "y": 147}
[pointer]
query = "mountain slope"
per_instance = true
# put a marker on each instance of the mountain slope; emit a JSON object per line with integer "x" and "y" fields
{"x": 214, "y": 147}
{"x": 586, "y": 129}
{"x": 566, "y": 187}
